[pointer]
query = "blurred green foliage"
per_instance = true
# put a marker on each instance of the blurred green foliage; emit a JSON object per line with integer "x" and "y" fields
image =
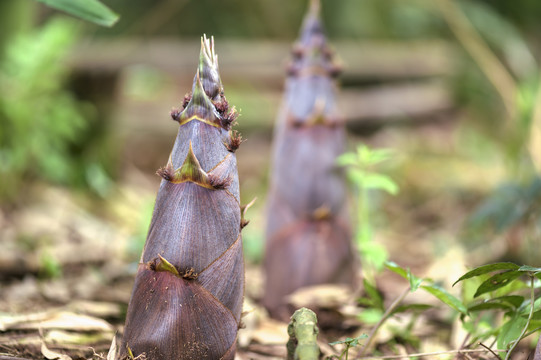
{"x": 90, "y": 10}
{"x": 494, "y": 306}
{"x": 509, "y": 205}
{"x": 45, "y": 133}
{"x": 364, "y": 171}
{"x": 280, "y": 19}
{"x": 38, "y": 118}
{"x": 42, "y": 124}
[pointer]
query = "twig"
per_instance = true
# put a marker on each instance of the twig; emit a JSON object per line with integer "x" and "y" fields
{"x": 385, "y": 357}
{"x": 387, "y": 313}
{"x": 474, "y": 44}
{"x": 532, "y": 300}
{"x": 489, "y": 349}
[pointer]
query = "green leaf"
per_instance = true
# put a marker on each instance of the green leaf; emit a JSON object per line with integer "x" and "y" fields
{"x": 535, "y": 316}
{"x": 514, "y": 300}
{"x": 497, "y": 281}
{"x": 375, "y": 297}
{"x": 347, "y": 159}
{"x": 50, "y": 267}
{"x": 446, "y": 297}
{"x": 490, "y": 306}
{"x": 368, "y": 156}
{"x": 507, "y": 303}
{"x": 531, "y": 269}
{"x": 510, "y": 331}
{"x": 412, "y": 307}
{"x": 351, "y": 342}
{"x": 356, "y": 176}
{"x": 90, "y": 10}
{"x": 379, "y": 182}
{"x": 480, "y": 329}
{"x": 526, "y": 306}
{"x": 370, "y": 316}
{"x": 374, "y": 253}
{"x": 397, "y": 269}
{"x": 415, "y": 282}
{"x": 337, "y": 342}
{"x": 484, "y": 269}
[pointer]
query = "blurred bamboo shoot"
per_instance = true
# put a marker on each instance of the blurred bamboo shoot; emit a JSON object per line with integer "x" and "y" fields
{"x": 308, "y": 234}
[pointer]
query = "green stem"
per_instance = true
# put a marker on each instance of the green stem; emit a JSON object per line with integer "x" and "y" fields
{"x": 532, "y": 300}
{"x": 365, "y": 232}
{"x": 385, "y": 316}
{"x": 532, "y": 332}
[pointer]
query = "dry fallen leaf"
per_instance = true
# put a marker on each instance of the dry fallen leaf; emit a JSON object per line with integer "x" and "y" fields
{"x": 50, "y": 354}
{"x": 64, "y": 320}
{"x": 62, "y": 337}
{"x": 328, "y": 296}
{"x": 9, "y": 321}
{"x": 101, "y": 309}
{"x": 111, "y": 355}
{"x": 270, "y": 332}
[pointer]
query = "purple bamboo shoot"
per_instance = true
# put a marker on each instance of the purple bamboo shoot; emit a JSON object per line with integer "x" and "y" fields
{"x": 188, "y": 292}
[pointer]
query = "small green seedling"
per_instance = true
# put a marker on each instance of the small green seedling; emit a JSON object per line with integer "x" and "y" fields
{"x": 349, "y": 343}
{"x": 499, "y": 290}
{"x": 363, "y": 171}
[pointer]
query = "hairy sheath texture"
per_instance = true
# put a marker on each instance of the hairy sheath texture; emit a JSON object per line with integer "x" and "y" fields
{"x": 308, "y": 235}
{"x": 188, "y": 292}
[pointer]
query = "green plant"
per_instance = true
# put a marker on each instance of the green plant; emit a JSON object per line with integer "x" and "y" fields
{"x": 415, "y": 283}
{"x": 187, "y": 298}
{"x": 40, "y": 121}
{"x": 308, "y": 237}
{"x": 502, "y": 289}
{"x": 511, "y": 210}
{"x": 511, "y": 117}
{"x": 348, "y": 344}
{"x": 90, "y": 10}
{"x": 363, "y": 172}
{"x": 493, "y": 305}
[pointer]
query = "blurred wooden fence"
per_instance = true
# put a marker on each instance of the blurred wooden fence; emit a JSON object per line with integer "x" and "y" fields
{"x": 382, "y": 82}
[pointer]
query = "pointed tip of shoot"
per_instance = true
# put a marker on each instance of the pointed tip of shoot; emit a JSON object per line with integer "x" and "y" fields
{"x": 311, "y": 52}
{"x": 162, "y": 264}
{"x": 315, "y": 8}
{"x": 206, "y": 102}
{"x": 312, "y": 24}
{"x": 207, "y": 56}
{"x": 191, "y": 170}
{"x": 208, "y": 68}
